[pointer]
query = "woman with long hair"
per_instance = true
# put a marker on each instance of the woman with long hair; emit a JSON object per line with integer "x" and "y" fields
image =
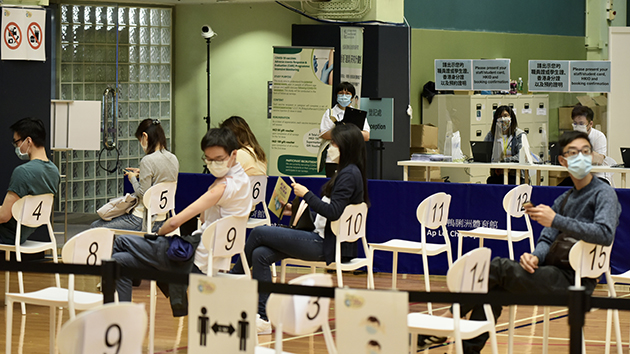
{"x": 250, "y": 154}
{"x": 267, "y": 244}
{"x": 505, "y": 126}
{"x": 157, "y": 166}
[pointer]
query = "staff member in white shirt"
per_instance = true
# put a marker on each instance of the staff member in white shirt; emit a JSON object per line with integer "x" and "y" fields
{"x": 582, "y": 117}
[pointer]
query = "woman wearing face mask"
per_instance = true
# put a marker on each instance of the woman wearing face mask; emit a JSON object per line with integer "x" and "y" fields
{"x": 250, "y": 154}
{"x": 505, "y": 124}
{"x": 268, "y": 244}
{"x": 157, "y": 166}
{"x": 344, "y": 94}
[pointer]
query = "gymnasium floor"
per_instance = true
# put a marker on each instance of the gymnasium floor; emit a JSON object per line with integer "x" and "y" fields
{"x": 170, "y": 338}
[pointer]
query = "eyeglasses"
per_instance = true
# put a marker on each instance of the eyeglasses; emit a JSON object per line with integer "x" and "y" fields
{"x": 578, "y": 124}
{"x": 572, "y": 152}
{"x": 206, "y": 160}
{"x": 15, "y": 142}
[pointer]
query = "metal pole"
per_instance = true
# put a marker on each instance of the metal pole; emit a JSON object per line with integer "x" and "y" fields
{"x": 208, "y": 82}
{"x": 110, "y": 271}
{"x": 577, "y": 311}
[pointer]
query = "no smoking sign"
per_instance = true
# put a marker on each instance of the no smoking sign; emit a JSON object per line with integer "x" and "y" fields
{"x": 12, "y": 36}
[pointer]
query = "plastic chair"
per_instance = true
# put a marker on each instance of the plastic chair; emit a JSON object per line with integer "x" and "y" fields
{"x": 259, "y": 195}
{"x": 432, "y": 213}
{"x": 611, "y": 279}
{"x": 513, "y": 206}
{"x": 92, "y": 330}
{"x": 224, "y": 239}
{"x": 300, "y": 315}
{"x": 349, "y": 227}
{"x": 89, "y": 247}
{"x": 32, "y": 211}
{"x": 469, "y": 274}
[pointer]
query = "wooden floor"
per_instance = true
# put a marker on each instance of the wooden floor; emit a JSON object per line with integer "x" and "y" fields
{"x": 30, "y": 332}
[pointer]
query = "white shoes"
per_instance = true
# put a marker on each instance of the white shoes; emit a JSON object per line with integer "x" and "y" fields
{"x": 263, "y": 327}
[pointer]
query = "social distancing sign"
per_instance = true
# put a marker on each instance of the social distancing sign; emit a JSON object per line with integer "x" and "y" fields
{"x": 23, "y": 34}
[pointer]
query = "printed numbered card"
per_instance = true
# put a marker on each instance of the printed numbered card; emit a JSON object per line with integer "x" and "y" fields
{"x": 371, "y": 321}
{"x": 113, "y": 332}
{"x": 222, "y": 315}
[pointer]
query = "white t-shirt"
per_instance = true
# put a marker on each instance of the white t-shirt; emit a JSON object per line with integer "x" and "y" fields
{"x": 327, "y": 124}
{"x": 236, "y": 200}
{"x": 598, "y": 141}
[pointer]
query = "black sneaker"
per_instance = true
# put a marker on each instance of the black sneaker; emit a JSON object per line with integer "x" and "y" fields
{"x": 425, "y": 342}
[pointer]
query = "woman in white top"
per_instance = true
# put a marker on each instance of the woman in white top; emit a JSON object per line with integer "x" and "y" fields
{"x": 345, "y": 94}
{"x": 250, "y": 154}
{"x": 157, "y": 166}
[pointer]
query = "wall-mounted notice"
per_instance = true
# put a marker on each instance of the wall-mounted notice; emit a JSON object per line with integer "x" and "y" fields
{"x": 23, "y": 33}
{"x": 380, "y": 117}
{"x": 453, "y": 74}
{"x": 491, "y": 74}
{"x": 351, "y": 68}
{"x": 300, "y": 97}
{"x": 590, "y": 76}
{"x": 548, "y": 75}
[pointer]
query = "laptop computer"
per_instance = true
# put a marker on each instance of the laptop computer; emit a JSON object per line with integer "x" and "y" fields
{"x": 554, "y": 151}
{"x": 625, "y": 155}
{"x": 481, "y": 150}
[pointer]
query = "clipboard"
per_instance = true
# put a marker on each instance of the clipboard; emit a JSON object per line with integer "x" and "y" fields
{"x": 355, "y": 116}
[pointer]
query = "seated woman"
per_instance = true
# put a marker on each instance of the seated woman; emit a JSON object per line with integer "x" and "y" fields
{"x": 267, "y": 244}
{"x": 504, "y": 123}
{"x": 250, "y": 154}
{"x": 157, "y": 166}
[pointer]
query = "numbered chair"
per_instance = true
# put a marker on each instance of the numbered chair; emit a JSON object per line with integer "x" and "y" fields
{"x": 101, "y": 330}
{"x": 224, "y": 239}
{"x": 513, "y": 206}
{"x": 623, "y": 278}
{"x": 259, "y": 195}
{"x": 432, "y": 213}
{"x": 469, "y": 274}
{"x": 89, "y": 247}
{"x": 32, "y": 211}
{"x": 350, "y": 227}
{"x": 300, "y": 315}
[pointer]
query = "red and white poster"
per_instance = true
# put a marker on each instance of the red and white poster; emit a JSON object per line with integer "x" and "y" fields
{"x": 23, "y": 33}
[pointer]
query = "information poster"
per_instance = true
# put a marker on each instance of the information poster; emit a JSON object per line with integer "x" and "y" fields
{"x": 301, "y": 95}
{"x": 351, "y": 69}
{"x": 590, "y": 76}
{"x": 453, "y": 74}
{"x": 491, "y": 74}
{"x": 548, "y": 75}
{"x": 23, "y": 34}
{"x": 380, "y": 117}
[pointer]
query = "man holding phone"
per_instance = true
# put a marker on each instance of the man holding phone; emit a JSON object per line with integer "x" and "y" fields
{"x": 589, "y": 211}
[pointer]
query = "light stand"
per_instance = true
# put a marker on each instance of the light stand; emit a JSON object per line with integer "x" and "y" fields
{"x": 207, "y": 33}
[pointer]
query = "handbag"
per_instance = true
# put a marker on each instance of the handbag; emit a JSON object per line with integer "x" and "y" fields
{"x": 179, "y": 249}
{"x": 117, "y": 207}
{"x": 558, "y": 255}
{"x": 301, "y": 218}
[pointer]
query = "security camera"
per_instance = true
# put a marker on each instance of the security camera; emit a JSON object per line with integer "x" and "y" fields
{"x": 207, "y": 32}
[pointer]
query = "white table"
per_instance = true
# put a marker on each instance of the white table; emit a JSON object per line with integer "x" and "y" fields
{"x": 505, "y": 166}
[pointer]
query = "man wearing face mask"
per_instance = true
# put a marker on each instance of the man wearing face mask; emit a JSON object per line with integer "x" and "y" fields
{"x": 582, "y": 117}
{"x": 38, "y": 176}
{"x": 229, "y": 195}
{"x": 589, "y": 211}
{"x": 344, "y": 93}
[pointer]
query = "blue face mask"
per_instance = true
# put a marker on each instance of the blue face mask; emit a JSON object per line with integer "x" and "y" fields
{"x": 344, "y": 100}
{"x": 21, "y": 155}
{"x": 580, "y": 165}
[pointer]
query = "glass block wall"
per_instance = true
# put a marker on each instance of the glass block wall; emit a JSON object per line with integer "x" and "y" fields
{"x": 89, "y": 36}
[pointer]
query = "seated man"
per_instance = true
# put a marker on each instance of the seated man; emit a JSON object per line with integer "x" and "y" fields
{"x": 228, "y": 195}
{"x": 38, "y": 176}
{"x": 589, "y": 211}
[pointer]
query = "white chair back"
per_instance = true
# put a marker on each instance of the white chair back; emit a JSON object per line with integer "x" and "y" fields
{"x": 33, "y": 210}
{"x": 111, "y": 328}
{"x": 469, "y": 274}
{"x": 514, "y": 199}
{"x": 223, "y": 239}
{"x": 259, "y": 189}
{"x": 589, "y": 260}
{"x": 351, "y": 225}
{"x": 89, "y": 247}
{"x": 433, "y": 211}
{"x": 159, "y": 199}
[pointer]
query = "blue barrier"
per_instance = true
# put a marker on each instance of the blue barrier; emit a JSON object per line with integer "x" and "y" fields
{"x": 392, "y": 214}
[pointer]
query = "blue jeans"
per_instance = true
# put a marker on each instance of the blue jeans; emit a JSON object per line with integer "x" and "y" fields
{"x": 126, "y": 222}
{"x": 267, "y": 245}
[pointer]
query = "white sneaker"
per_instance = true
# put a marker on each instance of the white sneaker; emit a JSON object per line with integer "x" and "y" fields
{"x": 263, "y": 327}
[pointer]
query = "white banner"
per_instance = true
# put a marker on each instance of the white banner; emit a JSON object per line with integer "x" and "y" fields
{"x": 23, "y": 34}
{"x": 351, "y": 69}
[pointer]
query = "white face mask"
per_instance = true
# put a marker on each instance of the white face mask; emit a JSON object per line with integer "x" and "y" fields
{"x": 333, "y": 153}
{"x": 580, "y": 128}
{"x": 21, "y": 155}
{"x": 218, "y": 168}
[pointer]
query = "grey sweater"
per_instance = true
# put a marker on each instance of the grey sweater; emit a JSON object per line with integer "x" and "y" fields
{"x": 590, "y": 214}
{"x": 156, "y": 167}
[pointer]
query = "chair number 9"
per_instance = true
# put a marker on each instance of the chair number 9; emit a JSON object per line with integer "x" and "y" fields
{"x": 118, "y": 341}
{"x": 232, "y": 239}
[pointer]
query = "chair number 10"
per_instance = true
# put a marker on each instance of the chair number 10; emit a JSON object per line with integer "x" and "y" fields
{"x": 357, "y": 224}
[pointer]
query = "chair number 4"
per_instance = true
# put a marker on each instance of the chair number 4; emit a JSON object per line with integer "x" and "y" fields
{"x": 316, "y": 303}
{"x": 357, "y": 224}
{"x": 601, "y": 257}
{"x": 38, "y": 210}
{"x": 476, "y": 280}
{"x": 163, "y": 199}
{"x": 435, "y": 208}
{"x": 116, "y": 343}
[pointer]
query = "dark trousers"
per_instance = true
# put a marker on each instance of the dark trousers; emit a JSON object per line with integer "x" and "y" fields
{"x": 508, "y": 277}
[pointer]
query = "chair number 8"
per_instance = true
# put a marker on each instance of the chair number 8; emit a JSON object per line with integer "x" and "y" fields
{"x": 231, "y": 239}
{"x": 117, "y": 343}
{"x": 92, "y": 253}
{"x": 357, "y": 224}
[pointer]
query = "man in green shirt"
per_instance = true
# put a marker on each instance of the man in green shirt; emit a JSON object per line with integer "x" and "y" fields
{"x": 38, "y": 176}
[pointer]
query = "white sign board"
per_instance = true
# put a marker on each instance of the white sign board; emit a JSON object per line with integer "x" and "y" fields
{"x": 23, "y": 33}
{"x": 222, "y": 315}
{"x": 380, "y": 117}
{"x": 110, "y": 332}
{"x": 369, "y": 321}
{"x": 590, "y": 76}
{"x": 548, "y": 75}
{"x": 453, "y": 74}
{"x": 491, "y": 74}
{"x": 75, "y": 125}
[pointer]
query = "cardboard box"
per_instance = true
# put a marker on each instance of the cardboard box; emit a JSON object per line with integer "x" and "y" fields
{"x": 419, "y": 174}
{"x": 424, "y": 136}
{"x": 597, "y": 104}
